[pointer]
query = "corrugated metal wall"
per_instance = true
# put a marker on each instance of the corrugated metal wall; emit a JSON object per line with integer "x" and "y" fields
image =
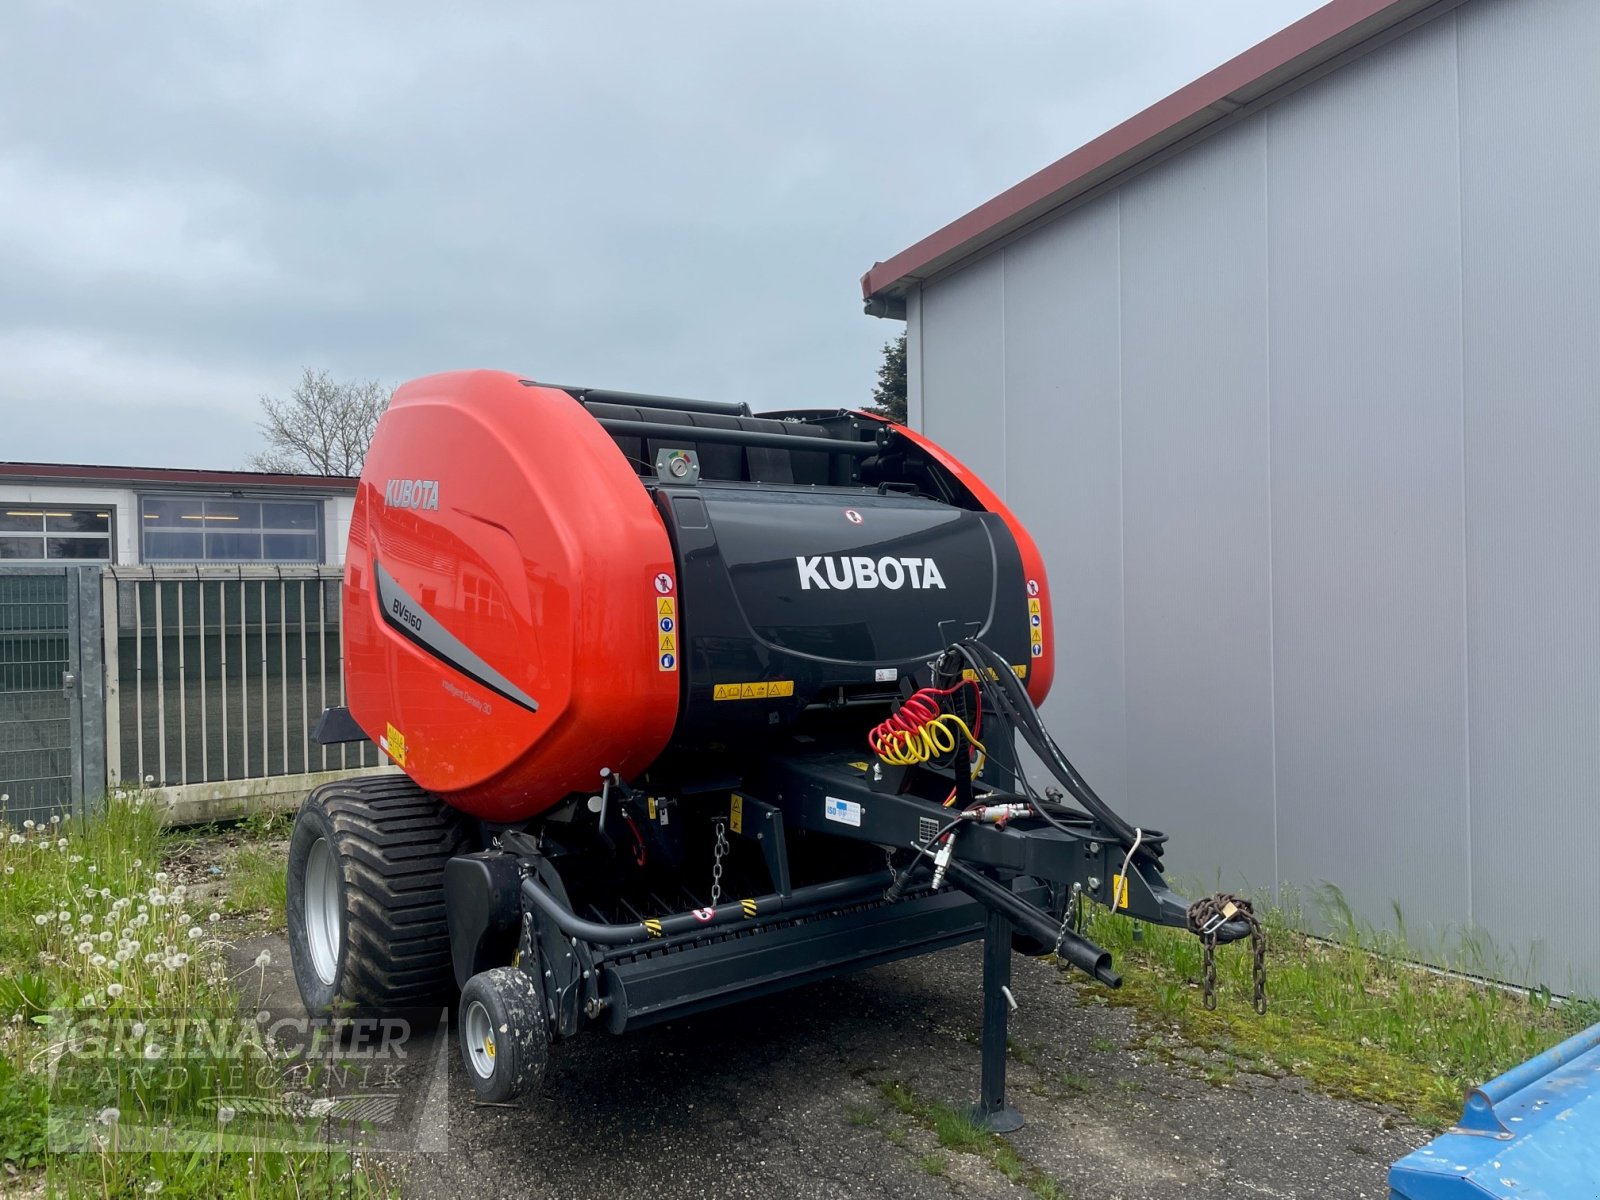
{"x": 1307, "y": 423}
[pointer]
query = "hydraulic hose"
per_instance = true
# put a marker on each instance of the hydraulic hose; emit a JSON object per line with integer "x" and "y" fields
{"x": 1007, "y": 695}
{"x": 604, "y": 934}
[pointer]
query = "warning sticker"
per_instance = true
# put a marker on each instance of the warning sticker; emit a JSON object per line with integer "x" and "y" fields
{"x": 666, "y": 628}
{"x": 394, "y": 743}
{"x": 1119, "y": 891}
{"x": 664, "y": 583}
{"x": 768, "y": 689}
{"x": 736, "y": 813}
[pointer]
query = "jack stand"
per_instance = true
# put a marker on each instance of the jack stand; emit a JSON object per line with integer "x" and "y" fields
{"x": 992, "y": 1113}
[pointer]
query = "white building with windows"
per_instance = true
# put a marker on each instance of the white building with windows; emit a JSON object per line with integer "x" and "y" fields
{"x": 58, "y": 512}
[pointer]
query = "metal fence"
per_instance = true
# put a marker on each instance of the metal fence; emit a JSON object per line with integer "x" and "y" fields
{"x": 217, "y": 674}
{"x": 50, "y": 756}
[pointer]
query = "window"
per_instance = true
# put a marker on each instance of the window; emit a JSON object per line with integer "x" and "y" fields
{"x": 210, "y": 529}
{"x": 58, "y": 533}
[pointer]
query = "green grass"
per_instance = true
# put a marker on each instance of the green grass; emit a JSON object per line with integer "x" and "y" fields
{"x": 1350, "y": 1013}
{"x": 256, "y": 882}
{"x": 91, "y": 924}
{"x": 955, "y": 1131}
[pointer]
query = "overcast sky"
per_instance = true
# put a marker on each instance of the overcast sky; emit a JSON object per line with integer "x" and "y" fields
{"x": 199, "y": 198}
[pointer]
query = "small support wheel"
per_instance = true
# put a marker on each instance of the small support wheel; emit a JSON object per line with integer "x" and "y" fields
{"x": 505, "y": 1041}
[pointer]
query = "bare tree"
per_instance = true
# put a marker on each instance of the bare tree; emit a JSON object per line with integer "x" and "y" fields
{"x": 323, "y": 428}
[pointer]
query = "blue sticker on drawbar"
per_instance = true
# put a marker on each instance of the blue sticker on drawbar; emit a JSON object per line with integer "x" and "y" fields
{"x": 666, "y": 624}
{"x": 667, "y": 661}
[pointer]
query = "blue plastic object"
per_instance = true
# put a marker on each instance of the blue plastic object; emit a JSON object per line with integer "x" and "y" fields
{"x": 1533, "y": 1133}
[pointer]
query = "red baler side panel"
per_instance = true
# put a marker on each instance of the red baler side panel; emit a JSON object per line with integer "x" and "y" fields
{"x": 515, "y": 524}
{"x": 1042, "y": 667}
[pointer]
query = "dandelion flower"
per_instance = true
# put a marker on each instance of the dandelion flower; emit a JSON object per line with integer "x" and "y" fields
{"x": 263, "y": 960}
{"x": 109, "y": 1116}
{"x": 75, "y": 859}
{"x": 103, "y": 936}
{"x": 162, "y": 877}
{"x": 137, "y": 1029}
{"x": 55, "y": 818}
{"x": 153, "y": 1051}
{"x": 11, "y": 870}
{"x": 42, "y": 919}
{"x": 85, "y": 947}
{"x": 225, "y": 1114}
{"x": 61, "y": 843}
{"x": 195, "y": 933}
{"x": 64, "y": 917}
{"x": 114, "y": 990}
{"x": 178, "y": 961}
{"x": 214, "y": 918}
{"x": 15, "y": 839}
{"x": 27, "y": 824}
{"x": 154, "y": 1186}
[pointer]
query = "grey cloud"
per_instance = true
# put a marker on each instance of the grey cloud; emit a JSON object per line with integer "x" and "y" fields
{"x": 663, "y": 197}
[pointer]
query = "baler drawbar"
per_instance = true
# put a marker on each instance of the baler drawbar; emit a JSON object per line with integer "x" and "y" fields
{"x": 692, "y": 706}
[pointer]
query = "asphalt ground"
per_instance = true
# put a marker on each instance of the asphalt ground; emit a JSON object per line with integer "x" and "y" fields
{"x": 788, "y": 1097}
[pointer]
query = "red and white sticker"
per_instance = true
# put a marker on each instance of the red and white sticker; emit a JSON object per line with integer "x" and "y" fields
{"x": 703, "y": 914}
{"x": 664, "y": 584}
{"x": 853, "y": 516}
{"x": 1033, "y": 587}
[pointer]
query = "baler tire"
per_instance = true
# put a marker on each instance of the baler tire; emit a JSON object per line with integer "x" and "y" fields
{"x": 373, "y": 849}
{"x": 505, "y": 1041}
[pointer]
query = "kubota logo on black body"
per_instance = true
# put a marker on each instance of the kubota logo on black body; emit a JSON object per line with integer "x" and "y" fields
{"x": 829, "y": 571}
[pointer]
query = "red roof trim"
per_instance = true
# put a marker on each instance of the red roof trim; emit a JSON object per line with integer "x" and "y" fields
{"x": 70, "y": 473}
{"x": 1303, "y": 46}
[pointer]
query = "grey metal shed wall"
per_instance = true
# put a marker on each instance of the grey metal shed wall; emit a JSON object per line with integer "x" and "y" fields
{"x": 1305, "y": 421}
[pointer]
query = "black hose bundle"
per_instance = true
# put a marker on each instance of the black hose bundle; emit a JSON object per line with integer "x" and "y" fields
{"x": 1004, "y": 695}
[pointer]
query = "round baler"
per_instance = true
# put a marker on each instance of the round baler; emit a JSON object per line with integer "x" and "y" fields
{"x": 687, "y": 705}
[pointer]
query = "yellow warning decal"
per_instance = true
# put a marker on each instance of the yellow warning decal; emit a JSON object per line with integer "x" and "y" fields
{"x": 1034, "y": 606}
{"x": 749, "y": 907}
{"x": 394, "y": 743}
{"x": 761, "y": 690}
{"x": 736, "y": 813}
{"x": 1119, "y": 891}
{"x": 652, "y": 927}
{"x": 651, "y": 800}
{"x": 860, "y": 766}
{"x": 971, "y": 676}
{"x": 666, "y": 633}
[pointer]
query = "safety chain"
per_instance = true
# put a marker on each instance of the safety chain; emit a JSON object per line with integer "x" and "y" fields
{"x": 1206, "y": 917}
{"x": 720, "y": 849}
